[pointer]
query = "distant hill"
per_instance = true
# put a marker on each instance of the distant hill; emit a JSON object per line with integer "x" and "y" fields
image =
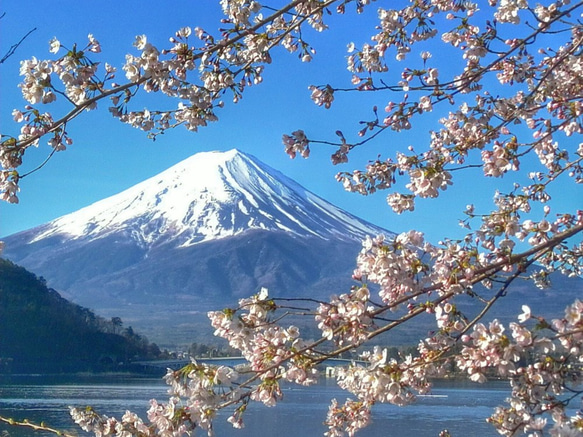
{"x": 41, "y": 332}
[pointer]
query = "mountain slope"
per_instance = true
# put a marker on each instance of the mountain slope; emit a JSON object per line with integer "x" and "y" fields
{"x": 198, "y": 236}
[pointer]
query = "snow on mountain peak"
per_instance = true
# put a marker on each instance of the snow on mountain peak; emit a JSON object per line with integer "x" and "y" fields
{"x": 208, "y": 196}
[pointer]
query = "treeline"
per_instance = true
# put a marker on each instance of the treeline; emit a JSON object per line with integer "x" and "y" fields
{"x": 41, "y": 332}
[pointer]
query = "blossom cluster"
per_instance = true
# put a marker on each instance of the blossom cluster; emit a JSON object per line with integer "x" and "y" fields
{"x": 273, "y": 352}
{"x": 395, "y": 265}
{"x": 197, "y": 392}
{"x": 544, "y": 386}
{"x": 346, "y": 318}
{"x": 384, "y": 380}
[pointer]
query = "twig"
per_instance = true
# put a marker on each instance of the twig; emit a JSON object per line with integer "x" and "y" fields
{"x": 41, "y": 427}
{"x": 13, "y": 48}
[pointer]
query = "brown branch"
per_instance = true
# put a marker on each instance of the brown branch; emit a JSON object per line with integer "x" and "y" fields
{"x": 217, "y": 47}
{"x": 459, "y": 84}
{"x": 42, "y": 427}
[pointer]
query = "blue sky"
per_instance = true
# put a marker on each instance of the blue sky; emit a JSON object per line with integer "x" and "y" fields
{"x": 108, "y": 156}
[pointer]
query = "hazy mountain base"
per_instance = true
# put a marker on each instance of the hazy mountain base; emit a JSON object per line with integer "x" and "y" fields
{"x": 177, "y": 325}
{"x": 166, "y": 292}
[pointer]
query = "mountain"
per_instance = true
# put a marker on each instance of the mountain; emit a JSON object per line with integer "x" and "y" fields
{"x": 42, "y": 332}
{"x": 198, "y": 236}
{"x": 210, "y": 230}
{"x": 206, "y": 197}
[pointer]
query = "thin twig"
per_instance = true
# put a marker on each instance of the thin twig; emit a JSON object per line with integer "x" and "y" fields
{"x": 13, "y": 48}
{"x": 42, "y": 427}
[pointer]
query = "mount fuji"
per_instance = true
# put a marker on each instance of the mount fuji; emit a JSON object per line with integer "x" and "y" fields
{"x": 198, "y": 236}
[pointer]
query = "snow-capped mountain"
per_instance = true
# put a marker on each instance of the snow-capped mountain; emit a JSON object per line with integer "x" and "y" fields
{"x": 206, "y": 232}
{"x": 209, "y": 196}
{"x": 213, "y": 228}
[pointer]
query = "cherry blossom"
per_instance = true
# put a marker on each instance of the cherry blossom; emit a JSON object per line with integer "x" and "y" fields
{"x": 509, "y": 105}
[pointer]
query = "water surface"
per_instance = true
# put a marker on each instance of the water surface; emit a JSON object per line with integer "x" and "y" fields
{"x": 460, "y": 407}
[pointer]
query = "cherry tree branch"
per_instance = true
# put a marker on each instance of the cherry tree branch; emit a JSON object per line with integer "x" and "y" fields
{"x": 35, "y": 427}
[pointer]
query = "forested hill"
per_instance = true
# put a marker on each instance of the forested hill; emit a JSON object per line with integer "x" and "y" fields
{"x": 42, "y": 332}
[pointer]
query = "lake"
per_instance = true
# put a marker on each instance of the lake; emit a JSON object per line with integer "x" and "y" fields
{"x": 460, "y": 407}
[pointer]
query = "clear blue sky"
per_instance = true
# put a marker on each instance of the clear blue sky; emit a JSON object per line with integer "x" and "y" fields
{"x": 108, "y": 156}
